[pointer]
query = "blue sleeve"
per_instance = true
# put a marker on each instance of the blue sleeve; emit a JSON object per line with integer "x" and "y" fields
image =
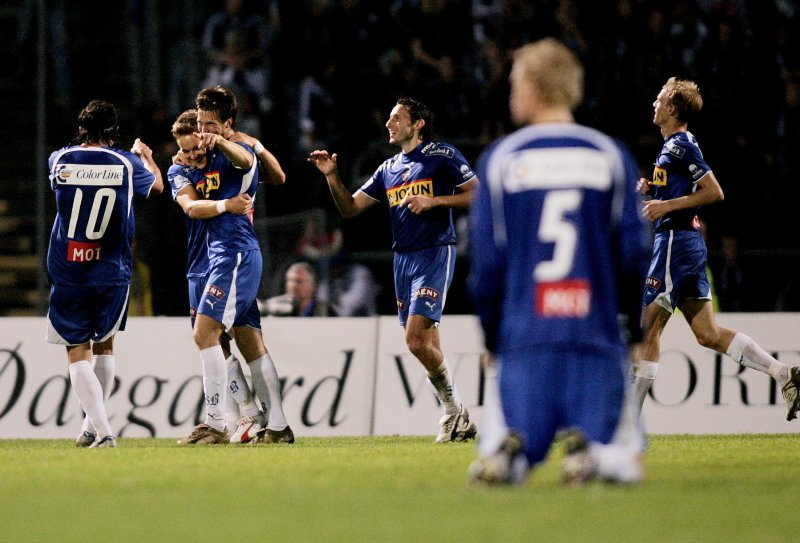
{"x": 487, "y": 268}
{"x": 374, "y": 187}
{"x": 142, "y": 179}
{"x": 460, "y": 169}
{"x": 632, "y": 238}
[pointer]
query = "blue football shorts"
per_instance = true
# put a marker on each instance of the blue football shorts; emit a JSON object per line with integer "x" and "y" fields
{"x": 421, "y": 281}
{"x": 558, "y": 388}
{"x": 79, "y": 314}
{"x": 229, "y": 296}
{"x": 678, "y": 269}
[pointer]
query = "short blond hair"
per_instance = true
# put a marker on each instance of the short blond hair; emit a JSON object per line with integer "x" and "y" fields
{"x": 554, "y": 68}
{"x": 684, "y": 94}
{"x": 185, "y": 124}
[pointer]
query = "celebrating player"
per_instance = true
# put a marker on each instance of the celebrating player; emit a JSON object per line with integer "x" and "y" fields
{"x": 182, "y": 179}
{"x": 229, "y": 298}
{"x": 558, "y": 249}
{"x": 682, "y": 182}
{"x": 89, "y": 258}
{"x": 420, "y": 185}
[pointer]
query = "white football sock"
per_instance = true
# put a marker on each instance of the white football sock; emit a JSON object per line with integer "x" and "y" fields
{"x": 747, "y": 352}
{"x": 90, "y": 394}
{"x": 215, "y": 378}
{"x": 268, "y": 389}
{"x": 493, "y": 424}
{"x": 445, "y": 388}
{"x": 617, "y": 463}
{"x": 642, "y": 375}
{"x": 105, "y": 368}
{"x": 239, "y": 390}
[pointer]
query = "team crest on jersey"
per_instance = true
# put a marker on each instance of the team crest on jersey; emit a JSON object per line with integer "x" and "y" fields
{"x": 215, "y": 291}
{"x": 652, "y": 282}
{"x": 427, "y": 292}
{"x": 420, "y": 187}
{"x": 563, "y": 299}
{"x": 209, "y": 184}
{"x": 401, "y": 305}
{"x": 659, "y": 177}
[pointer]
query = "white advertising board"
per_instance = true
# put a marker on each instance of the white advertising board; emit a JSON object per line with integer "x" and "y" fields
{"x": 356, "y": 377}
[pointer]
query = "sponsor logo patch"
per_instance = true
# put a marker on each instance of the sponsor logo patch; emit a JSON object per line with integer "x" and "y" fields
{"x": 401, "y": 305}
{"x": 427, "y": 292}
{"x": 209, "y": 184}
{"x": 675, "y": 150}
{"x": 193, "y": 312}
{"x": 653, "y": 283}
{"x": 568, "y": 298}
{"x": 420, "y": 187}
{"x": 90, "y": 174}
{"x": 433, "y": 150}
{"x": 215, "y": 291}
{"x": 659, "y": 177}
{"x": 78, "y": 251}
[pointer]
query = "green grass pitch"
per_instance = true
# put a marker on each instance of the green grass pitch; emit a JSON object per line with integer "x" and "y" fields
{"x": 376, "y": 489}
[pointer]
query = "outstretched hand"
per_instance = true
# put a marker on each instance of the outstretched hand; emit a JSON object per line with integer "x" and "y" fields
{"x": 324, "y": 161}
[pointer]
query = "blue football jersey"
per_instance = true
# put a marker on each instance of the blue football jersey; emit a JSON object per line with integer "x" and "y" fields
{"x": 678, "y": 168}
{"x": 431, "y": 169}
{"x": 558, "y": 245}
{"x": 197, "y": 230}
{"x": 221, "y": 180}
{"x": 90, "y": 243}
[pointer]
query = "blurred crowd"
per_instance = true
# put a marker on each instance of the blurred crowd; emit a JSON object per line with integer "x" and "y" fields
{"x": 314, "y": 74}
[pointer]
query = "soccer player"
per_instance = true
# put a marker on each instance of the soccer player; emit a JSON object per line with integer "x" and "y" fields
{"x": 229, "y": 299}
{"x": 420, "y": 185}
{"x": 682, "y": 182}
{"x": 89, "y": 258}
{"x": 558, "y": 248}
{"x": 244, "y": 417}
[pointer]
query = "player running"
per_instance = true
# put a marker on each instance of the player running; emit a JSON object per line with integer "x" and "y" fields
{"x": 682, "y": 183}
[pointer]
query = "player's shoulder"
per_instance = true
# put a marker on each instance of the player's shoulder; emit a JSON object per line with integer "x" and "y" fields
{"x": 180, "y": 169}
{"x": 680, "y": 143}
{"x": 438, "y": 149}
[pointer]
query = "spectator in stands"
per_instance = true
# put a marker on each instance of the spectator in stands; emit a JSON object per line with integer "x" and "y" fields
{"x": 300, "y": 298}
{"x": 348, "y": 287}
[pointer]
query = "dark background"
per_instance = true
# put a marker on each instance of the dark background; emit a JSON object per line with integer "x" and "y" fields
{"x": 323, "y": 74}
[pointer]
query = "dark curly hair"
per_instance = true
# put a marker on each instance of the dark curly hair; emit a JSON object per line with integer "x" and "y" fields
{"x": 417, "y": 110}
{"x": 219, "y": 100}
{"x": 97, "y": 123}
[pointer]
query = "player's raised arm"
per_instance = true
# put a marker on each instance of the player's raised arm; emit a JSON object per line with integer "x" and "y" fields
{"x": 269, "y": 163}
{"x": 146, "y": 154}
{"x": 347, "y": 204}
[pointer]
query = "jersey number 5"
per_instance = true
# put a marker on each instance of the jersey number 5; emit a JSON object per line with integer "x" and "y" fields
{"x": 555, "y": 228}
{"x": 103, "y": 203}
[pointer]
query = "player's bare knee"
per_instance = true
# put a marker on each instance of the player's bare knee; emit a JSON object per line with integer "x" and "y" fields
{"x": 708, "y": 339}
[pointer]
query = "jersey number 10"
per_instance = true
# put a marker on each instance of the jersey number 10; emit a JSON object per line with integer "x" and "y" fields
{"x": 102, "y": 208}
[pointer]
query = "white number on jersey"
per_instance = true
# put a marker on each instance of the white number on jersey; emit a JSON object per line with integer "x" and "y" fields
{"x": 103, "y": 197}
{"x": 555, "y": 228}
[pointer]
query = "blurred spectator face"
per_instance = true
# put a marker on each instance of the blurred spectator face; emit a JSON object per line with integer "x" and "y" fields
{"x": 208, "y": 122}
{"x": 300, "y": 285}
